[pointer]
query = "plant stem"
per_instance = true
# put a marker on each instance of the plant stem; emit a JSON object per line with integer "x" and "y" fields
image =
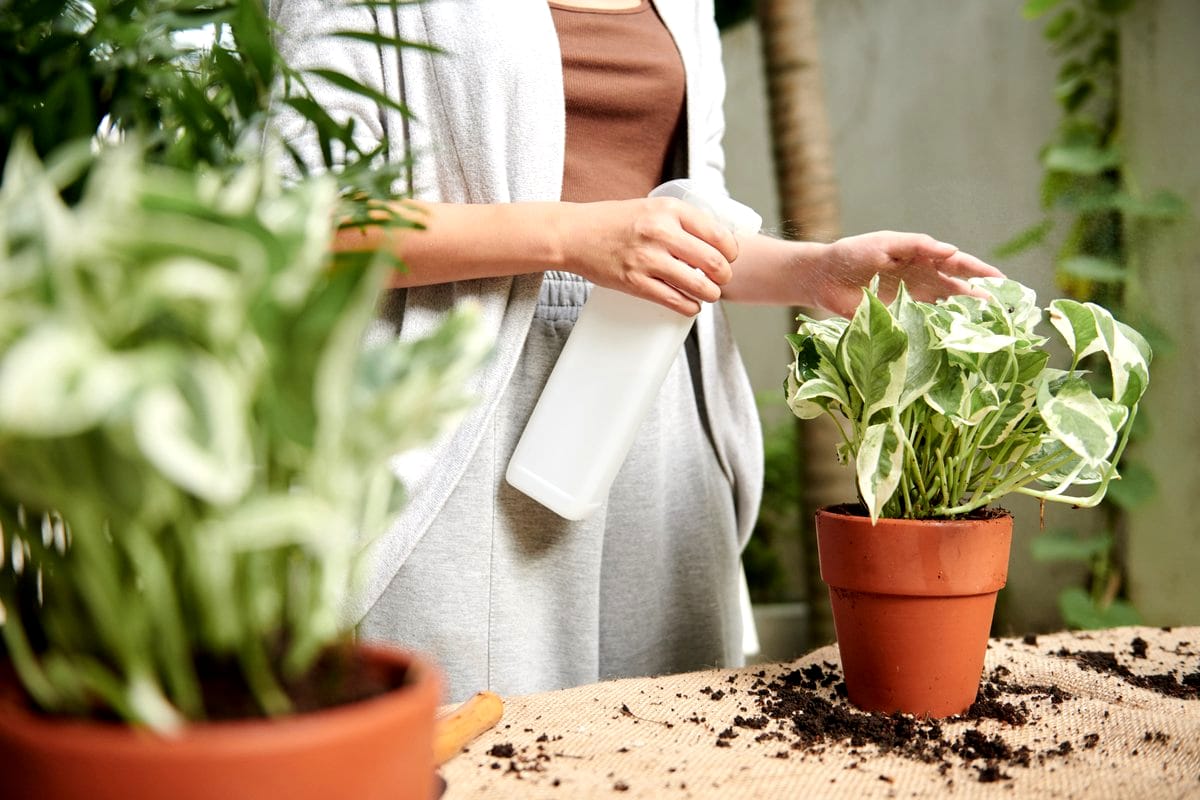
{"x": 1048, "y": 464}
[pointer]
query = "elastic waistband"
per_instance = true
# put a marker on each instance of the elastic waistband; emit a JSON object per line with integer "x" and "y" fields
{"x": 562, "y": 295}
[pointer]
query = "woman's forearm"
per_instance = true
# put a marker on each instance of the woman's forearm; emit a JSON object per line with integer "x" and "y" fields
{"x": 466, "y": 241}
{"x": 646, "y": 247}
{"x": 774, "y": 271}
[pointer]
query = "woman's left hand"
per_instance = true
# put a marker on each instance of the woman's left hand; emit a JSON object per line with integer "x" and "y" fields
{"x": 930, "y": 269}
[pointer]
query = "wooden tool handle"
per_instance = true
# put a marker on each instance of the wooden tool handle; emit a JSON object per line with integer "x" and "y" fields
{"x": 458, "y": 728}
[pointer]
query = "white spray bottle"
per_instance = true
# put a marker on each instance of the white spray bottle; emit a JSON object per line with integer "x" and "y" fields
{"x": 611, "y": 367}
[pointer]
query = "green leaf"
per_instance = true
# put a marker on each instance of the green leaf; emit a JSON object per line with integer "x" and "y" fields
{"x": 355, "y": 87}
{"x": 1096, "y": 270}
{"x": 1081, "y": 159}
{"x": 327, "y": 129}
{"x": 1114, "y": 7}
{"x": 1080, "y": 611}
{"x": 235, "y": 76}
{"x": 1054, "y": 186}
{"x": 873, "y": 352}
{"x": 1072, "y": 94}
{"x": 1060, "y": 24}
{"x": 1036, "y": 8}
{"x": 1135, "y": 489}
{"x": 982, "y": 400}
{"x": 251, "y": 32}
{"x": 1031, "y": 365}
{"x": 1162, "y": 206}
{"x": 1026, "y": 239}
{"x": 384, "y": 41}
{"x": 1067, "y": 545}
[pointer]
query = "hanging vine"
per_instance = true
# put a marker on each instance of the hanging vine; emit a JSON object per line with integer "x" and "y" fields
{"x": 1090, "y": 201}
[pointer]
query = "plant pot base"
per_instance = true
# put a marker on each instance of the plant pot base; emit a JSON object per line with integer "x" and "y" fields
{"x": 898, "y": 662}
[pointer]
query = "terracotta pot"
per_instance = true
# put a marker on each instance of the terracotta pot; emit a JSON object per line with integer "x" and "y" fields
{"x": 376, "y": 748}
{"x": 912, "y": 606}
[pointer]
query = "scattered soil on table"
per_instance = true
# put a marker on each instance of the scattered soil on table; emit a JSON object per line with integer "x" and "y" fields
{"x": 809, "y": 720}
{"x": 1185, "y": 687}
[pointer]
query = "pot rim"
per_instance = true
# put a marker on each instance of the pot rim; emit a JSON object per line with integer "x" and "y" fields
{"x": 21, "y": 720}
{"x": 914, "y": 558}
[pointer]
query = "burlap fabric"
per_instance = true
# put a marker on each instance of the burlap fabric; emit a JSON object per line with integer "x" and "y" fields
{"x": 1111, "y": 730}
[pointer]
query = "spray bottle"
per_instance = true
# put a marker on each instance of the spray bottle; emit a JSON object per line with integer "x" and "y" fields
{"x": 610, "y": 369}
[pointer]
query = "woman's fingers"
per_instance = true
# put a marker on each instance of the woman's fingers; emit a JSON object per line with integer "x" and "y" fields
{"x": 710, "y": 246}
{"x": 965, "y": 265}
{"x": 665, "y": 294}
{"x": 691, "y": 281}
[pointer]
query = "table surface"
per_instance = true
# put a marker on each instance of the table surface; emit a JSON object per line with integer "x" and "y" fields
{"x": 1101, "y": 714}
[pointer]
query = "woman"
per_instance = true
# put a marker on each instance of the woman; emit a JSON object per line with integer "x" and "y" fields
{"x": 536, "y": 137}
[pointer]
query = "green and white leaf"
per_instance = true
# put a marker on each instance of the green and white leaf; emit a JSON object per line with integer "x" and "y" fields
{"x": 1077, "y": 325}
{"x": 1078, "y": 419}
{"x": 879, "y": 464}
{"x": 815, "y": 397}
{"x": 1129, "y": 358}
{"x": 873, "y": 353}
{"x": 814, "y": 380}
{"x": 1018, "y": 301}
{"x": 194, "y": 432}
{"x": 924, "y": 361}
{"x": 58, "y": 381}
{"x": 970, "y": 337}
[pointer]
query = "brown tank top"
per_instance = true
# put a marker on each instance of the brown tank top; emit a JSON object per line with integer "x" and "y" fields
{"x": 624, "y": 86}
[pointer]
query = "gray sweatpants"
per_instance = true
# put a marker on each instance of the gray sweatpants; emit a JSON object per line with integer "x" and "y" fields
{"x": 508, "y": 596}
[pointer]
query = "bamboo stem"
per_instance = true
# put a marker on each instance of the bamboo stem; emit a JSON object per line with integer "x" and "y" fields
{"x": 462, "y": 725}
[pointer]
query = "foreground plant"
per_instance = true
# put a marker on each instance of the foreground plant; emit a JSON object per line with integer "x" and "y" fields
{"x": 193, "y": 439}
{"x": 950, "y": 406}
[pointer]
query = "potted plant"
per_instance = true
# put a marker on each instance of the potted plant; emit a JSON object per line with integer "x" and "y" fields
{"x": 944, "y": 409}
{"x": 194, "y": 440}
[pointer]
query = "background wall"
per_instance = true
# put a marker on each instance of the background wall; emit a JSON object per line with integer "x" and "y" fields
{"x": 938, "y": 111}
{"x": 1161, "y": 123}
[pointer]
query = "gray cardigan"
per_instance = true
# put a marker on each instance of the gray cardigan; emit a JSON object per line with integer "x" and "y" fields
{"x": 489, "y": 127}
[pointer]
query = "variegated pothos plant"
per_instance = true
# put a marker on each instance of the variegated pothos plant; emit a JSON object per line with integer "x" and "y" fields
{"x": 946, "y": 407}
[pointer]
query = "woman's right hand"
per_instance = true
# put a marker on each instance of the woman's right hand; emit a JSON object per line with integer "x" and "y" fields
{"x": 657, "y": 248}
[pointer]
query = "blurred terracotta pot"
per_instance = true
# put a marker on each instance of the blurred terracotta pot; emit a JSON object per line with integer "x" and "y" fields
{"x": 912, "y": 606}
{"x": 381, "y": 747}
